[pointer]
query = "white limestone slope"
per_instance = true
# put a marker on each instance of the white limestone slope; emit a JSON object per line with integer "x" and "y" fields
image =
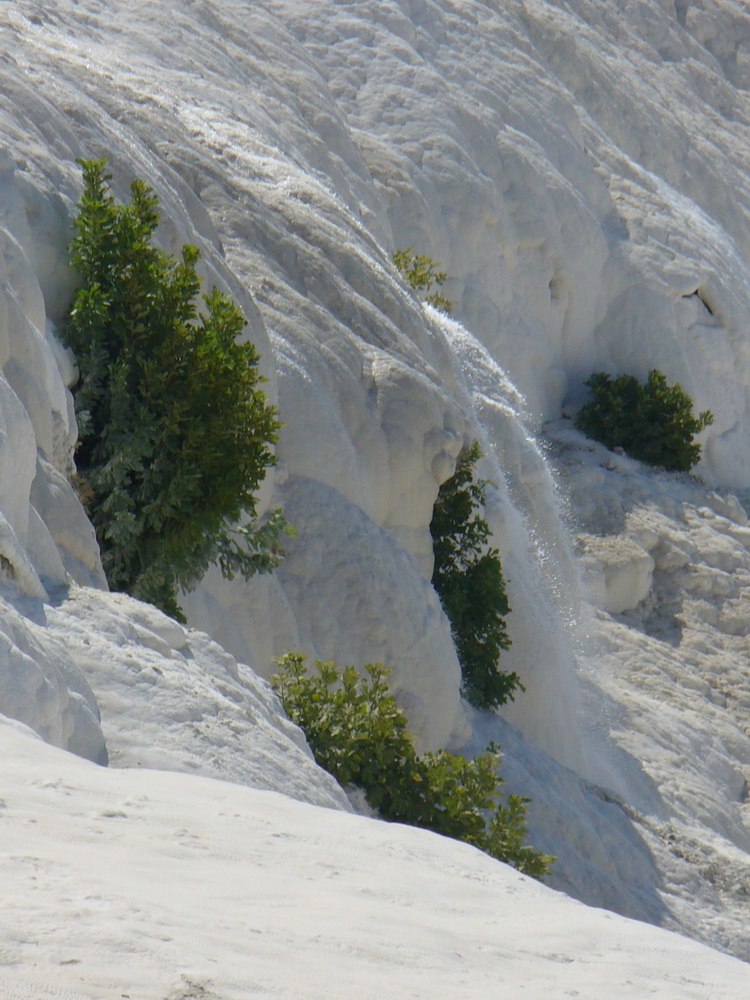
{"x": 664, "y": 831}
{"x": 578, "y": 169}
{"x": 157, "y": 885}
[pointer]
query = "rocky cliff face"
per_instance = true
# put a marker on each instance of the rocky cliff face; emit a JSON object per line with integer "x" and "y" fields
{"x": 578, "y": 170}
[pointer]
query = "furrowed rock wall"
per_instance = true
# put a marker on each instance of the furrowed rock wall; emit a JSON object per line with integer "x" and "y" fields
{"x": 297, "y": 145}
{"x": 578, "y": 169}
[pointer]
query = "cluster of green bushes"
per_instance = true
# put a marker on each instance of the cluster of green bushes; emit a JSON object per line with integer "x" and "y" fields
{"x": 174, "y": 431}
{"x": 357, "y": 732}
{"x": 653, "y": 422}
{"x": 468, "y": 578}
{"x": 175, "y": 438}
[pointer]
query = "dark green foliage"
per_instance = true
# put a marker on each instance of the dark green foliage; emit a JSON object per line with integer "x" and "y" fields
{"x": 174, "y": 432}
{"x": 653, "y": 422}
{"x": 357, "y": 732}
{"x": 469, "y": 580}
{"x": 421, "y": 273}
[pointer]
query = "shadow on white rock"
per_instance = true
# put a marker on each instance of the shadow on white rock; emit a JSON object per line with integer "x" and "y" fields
{"x": 174, "y": 700}
{"x": 41, "y": 686}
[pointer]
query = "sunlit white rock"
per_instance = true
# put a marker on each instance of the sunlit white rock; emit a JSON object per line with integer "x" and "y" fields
{"x": 579, "y": 170}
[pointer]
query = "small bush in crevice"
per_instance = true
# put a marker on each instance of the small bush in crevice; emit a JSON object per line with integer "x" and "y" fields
{"x": 469, "y": 581}
{"x": 358, "y": 734}
{"x": 422, "y": 273}
{"x": 653, "y": 423}
{"x": 174, "y": 431}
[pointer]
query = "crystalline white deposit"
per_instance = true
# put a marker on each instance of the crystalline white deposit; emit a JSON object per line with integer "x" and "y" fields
{"x": 579, "y": 170}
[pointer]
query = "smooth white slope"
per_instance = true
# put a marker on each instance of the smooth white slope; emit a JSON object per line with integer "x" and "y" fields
{"x": 142, "y": 884}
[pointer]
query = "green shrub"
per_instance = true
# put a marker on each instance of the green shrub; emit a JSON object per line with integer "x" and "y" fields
{"x": 653, "y": 422}
{"x": 469, "y": 580}
{"x": 174, "y": 432}
{"x": 421, "y": 273}
{"x": 358, "y": 734}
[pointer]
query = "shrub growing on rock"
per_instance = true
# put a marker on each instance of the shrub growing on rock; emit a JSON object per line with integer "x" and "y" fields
{"x": 653, "y": 422}
{"x": 468, "y": 578}
{"x": 174, "y": 431}
{"x": 358, "y": 734}
{"x": 422, "y": 273}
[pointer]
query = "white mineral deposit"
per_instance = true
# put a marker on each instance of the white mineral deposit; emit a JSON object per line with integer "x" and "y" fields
{"x": 579, "y": 169}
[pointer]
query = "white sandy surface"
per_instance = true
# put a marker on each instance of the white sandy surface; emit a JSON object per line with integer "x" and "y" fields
{"x": 125, "y": 884}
